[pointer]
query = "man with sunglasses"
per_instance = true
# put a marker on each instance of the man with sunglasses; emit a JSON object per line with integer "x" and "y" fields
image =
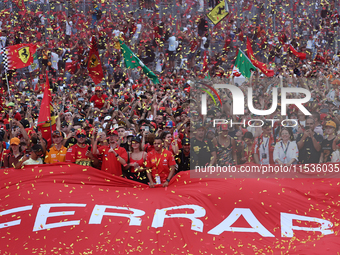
{"x": 57, "y": 152}
{"x": 114, "y": 157}
{"x": 33, "y": 159}
{"x": 80, "y": 153}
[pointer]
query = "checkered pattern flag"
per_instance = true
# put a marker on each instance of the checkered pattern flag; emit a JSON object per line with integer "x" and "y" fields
{"x": 4, "y": 58}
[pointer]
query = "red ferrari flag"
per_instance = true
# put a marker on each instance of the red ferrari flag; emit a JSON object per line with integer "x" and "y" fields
{"x": 94, "y": 65}
{"x": 258, "y": 64}
{"x": 19, "y": 56}
{"x": 300, "y": 55}
{"x": 20, "y": 4}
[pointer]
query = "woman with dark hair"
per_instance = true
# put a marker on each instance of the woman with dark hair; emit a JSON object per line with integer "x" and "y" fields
{"x": 286, "y": 151}
{"x": 135, "y": 166}
{"x": 12, "y": 158}
{"x": 168, "y": 144}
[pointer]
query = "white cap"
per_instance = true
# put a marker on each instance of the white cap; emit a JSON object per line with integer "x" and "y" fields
{"x": 107, "y": 118}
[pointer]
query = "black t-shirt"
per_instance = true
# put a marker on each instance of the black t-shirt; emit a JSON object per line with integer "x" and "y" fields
{"x": 125, "y": 146}
{"x": 308, "y": 154}
{"x": 326, "y": 148}
{"x": 117, "y": 76}
{"x": 202, "y": 150}
{"x": 182, "y": 161}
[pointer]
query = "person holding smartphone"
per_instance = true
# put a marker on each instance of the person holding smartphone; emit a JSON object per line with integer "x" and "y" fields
{"x": 114, "y": 156}
{"x": 33, "y": 159}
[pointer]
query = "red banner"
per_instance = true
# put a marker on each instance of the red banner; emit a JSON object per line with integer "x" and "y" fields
{"x": 300, "y": 55}
{"x": 72, "y": 209}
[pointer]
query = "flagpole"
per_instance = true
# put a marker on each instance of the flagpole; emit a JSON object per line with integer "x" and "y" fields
{"x": 9, "y": 93}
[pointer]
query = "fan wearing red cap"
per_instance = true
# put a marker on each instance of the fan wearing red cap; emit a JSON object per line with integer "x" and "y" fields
{"x": 99, "y": 99}
{"x": 114, "y": 157}
{"x": 80, "y": 153}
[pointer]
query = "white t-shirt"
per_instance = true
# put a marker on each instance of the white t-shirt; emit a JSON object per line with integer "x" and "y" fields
{"x": 159, "y": 65}
{"x": 68, "y": 28}
{"x": 173, "y": 44}
{"x": 139, "y": 28}
{"x": 204, "y": 39}
{"x": 117, "y": 33}
{"x": 264, "y": 148}
{"x": 32, "y": 162}
{"x": 3, "y": 41}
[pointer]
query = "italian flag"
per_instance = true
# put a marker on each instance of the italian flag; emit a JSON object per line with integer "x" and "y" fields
{"x": 243, "y": 65}
{"x": 35, "y": 65}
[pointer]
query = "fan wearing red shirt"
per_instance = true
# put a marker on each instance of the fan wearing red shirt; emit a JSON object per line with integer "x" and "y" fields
{"x": 114, "y": 156}
{"x": 99, "y": 99}
{"x": 160, "y": 165}
{"x": 80, "y": 153}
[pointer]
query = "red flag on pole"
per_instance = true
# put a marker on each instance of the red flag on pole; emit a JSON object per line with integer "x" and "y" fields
{"x": 19, "y": 55}
{"x": 46, "y": 122}
{"x": 300, "y": 55}
{"x": 94, "y": 65}
{"x": 258, "y": 64}
{"x": 45, "y": 107}
{"x": 20, "y": 4}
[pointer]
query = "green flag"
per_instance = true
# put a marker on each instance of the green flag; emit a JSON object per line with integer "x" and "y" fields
{"x": 131, "y": 61}
{"x": 243, "y": 64}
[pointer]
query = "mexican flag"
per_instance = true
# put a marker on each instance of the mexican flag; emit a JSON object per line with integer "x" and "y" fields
{"x": 132, "y": 61}
{"x": 243, "y": 65}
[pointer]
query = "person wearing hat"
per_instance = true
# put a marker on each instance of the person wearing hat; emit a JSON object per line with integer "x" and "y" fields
{"x": 114, "y": 157}
{"x": 57, "y": 152}
{"x": 183, "y": 157}
{"x": 160, "y": 164}
{"x": 327, "y": 143}
{"x": 80, "y": 153}
{"x": 99, "y": 99}
{"x": 12, "y": 157}
{"x": 202, "y": 148}
{"x": 33, "y": 159}
{"x": 136, "y": 163}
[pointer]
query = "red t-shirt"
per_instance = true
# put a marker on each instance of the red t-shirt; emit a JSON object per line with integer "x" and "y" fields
{"x": 110, "y": 162}
{"x": 160, "y": 163}
{"x": 98, "y": 101}
{"x": 76, "y": 154}
{"x": 193, "y": 45}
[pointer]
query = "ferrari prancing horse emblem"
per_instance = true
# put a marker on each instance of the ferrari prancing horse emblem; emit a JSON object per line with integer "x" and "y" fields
{"x": 24, "y": 54}
{"x": 93, "y": 61}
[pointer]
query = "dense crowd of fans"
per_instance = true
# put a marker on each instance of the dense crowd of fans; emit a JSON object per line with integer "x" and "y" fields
{"x": 129, "y": 126}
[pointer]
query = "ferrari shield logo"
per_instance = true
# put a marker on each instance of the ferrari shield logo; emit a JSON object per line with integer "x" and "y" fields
{"x": 93, "y": 61}
{"x": 24, "y": 54}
